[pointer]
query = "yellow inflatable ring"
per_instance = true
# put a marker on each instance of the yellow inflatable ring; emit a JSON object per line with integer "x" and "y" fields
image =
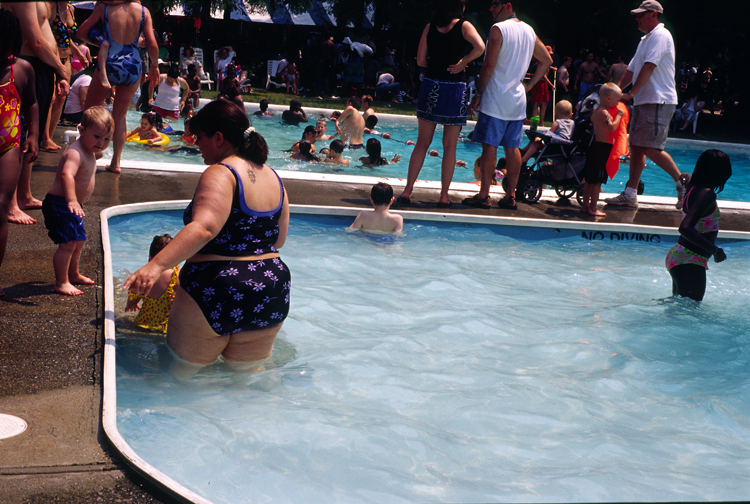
{"x": 164, "y": 140}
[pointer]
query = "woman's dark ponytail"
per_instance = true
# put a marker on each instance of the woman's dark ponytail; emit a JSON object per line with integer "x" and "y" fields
{"x": 254, "y": 147}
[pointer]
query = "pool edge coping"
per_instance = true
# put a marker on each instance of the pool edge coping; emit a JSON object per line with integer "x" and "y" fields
{"x": 109, "y": 373}
{"x": 109, "y": 377}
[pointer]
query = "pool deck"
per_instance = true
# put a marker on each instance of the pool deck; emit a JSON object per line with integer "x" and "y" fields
{"x": 51, "y": 346}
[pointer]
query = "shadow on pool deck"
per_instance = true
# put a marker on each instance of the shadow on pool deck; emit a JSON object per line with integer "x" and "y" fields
{"x": 51, "y": 346}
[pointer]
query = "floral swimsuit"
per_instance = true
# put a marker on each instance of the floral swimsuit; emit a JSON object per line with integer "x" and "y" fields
{"x": 678, "y": 254}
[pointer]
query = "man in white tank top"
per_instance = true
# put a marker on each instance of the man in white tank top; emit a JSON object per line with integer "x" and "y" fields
{"x": 501, "y": 97}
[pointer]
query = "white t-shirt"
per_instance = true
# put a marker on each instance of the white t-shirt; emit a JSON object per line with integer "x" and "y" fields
{"x": 505, "y": 97}
{"x": 385, "y": 79}
{"x": 281, "y": 69}
{"x": 657, "y": 47}
{"x": 74, "y": 105}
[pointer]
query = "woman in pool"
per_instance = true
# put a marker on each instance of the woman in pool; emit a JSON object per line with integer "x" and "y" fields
{"x": 234, "y": 288}
{"x": 173, "y": 93}
{"x": 443, "y": 95}
{"x": 687, "y": 261}
{"x": 123, "y": 23}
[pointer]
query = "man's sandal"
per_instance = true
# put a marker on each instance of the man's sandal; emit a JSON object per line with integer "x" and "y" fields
{"x": 508, "y": 203}
{"x": 477, "y": 202}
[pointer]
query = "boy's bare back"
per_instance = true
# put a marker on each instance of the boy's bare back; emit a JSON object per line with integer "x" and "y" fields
{"x": 375, "y": 221}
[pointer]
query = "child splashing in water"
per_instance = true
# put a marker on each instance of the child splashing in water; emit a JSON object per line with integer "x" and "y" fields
{"x": 154, "y": 312}
{"x": 373, "y": 157}
{"x": 687, "y": 261}
{"x": 148, "y": 130}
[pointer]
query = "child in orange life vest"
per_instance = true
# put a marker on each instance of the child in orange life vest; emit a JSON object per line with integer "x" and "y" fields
{"x": 154, "y": 313}
{"x": 606, "y": 120}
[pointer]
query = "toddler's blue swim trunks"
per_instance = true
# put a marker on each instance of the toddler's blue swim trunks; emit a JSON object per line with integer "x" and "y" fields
{"x": 63, "y": 226}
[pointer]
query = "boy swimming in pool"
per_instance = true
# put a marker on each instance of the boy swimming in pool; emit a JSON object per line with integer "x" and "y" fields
{"x": 379, "y": 220}
{"x": 73, "y": 185}
{"x": 154, "y": 312}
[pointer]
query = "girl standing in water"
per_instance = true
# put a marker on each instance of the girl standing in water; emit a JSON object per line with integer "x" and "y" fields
{"x": 687, "y": 261}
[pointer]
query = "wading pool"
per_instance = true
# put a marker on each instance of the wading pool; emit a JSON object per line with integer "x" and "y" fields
{"x": 281, "y": 136}
{"x": 460, "y": 363}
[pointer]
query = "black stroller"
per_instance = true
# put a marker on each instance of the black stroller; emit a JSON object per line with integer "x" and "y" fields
{"x": 559, "y": 163}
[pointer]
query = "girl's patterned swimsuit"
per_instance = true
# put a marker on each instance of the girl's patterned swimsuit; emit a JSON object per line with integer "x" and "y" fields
{"x": 10, "y": 114}
{"x": 154, "y": 314}
{"x": 62, "y": 33}
{"x": 678, "y": 254}
{"x": 240, "y": 295}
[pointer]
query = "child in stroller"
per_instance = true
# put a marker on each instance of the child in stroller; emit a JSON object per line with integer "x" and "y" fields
{"x": 557, "y": 161}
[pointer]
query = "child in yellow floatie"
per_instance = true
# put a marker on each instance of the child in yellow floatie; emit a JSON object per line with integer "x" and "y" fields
{"x": 154, "y": 313}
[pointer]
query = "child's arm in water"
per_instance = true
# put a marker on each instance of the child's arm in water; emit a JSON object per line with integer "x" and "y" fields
{"x": 357, "y": 224}
{"x": 153, "y": 135}
{"x": 132, "y": 304}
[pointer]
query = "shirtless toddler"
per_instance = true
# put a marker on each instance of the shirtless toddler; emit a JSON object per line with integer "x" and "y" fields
{"x": 379, "y": 220}
{"x": 606, "y": 119}
{"x": 73, "y": 185}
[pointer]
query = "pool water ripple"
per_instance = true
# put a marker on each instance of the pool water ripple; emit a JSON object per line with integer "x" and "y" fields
{"x": 280, "y": 137}
{"x": 460, "y": 365}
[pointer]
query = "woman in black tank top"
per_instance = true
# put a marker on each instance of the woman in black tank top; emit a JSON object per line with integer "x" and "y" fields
{"x": 443, "y": 97}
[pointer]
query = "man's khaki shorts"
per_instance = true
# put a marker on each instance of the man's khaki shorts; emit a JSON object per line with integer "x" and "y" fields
{"x": 649, "y": 125}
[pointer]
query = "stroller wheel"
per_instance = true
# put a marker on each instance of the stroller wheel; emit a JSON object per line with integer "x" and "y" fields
{"x": 566, "y": 191}
{"x": 579, "y": 195}
{"x": 531, "y": 191}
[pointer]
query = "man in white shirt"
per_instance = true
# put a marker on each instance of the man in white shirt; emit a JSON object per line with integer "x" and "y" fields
{"x": 502, "y": 109}
{"x": 651, "y": 71}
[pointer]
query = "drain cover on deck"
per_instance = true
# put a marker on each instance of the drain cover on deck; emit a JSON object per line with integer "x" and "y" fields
{"x": 11, "y": 426}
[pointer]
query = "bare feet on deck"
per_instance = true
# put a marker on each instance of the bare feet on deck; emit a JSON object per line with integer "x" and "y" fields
{"x": 596, "y": 212}
{"x": 29, "y": 204}
{"x": 16, "y": 216}
{"x": 50, "y": 146}
{"x": 81, "y": 280}
{"x": 68, "y": 290}
{"x": 584, "y": 209}
{"x": 113, "y": 169}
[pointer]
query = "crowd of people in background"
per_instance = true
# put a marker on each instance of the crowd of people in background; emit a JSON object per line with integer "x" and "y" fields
{"x": 447, "y": 80}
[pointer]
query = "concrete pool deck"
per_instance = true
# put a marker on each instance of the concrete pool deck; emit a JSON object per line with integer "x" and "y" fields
{"x": 51, "y": 346}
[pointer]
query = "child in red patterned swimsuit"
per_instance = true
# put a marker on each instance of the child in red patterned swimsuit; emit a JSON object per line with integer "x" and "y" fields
{"x": 687, "y": 261}
{"x": 16, "y": 96}
{"x": 154, "y": 313}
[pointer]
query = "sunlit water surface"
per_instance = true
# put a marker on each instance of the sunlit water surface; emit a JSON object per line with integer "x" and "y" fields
{"x": 458, "y": 364}
{"x": 281, "y": 136}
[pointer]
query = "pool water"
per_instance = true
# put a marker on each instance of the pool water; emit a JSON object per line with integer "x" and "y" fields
{"x": 281, "y": 136}
{"x": 461, "y": 363}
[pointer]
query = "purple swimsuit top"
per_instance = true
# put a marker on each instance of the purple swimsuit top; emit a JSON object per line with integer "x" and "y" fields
{"x": 246, "y": 231}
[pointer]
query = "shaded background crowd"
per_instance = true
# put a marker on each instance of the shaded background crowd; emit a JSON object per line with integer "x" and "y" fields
{"x": 707, "y": 40}
{"x": 380, "y": 37}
